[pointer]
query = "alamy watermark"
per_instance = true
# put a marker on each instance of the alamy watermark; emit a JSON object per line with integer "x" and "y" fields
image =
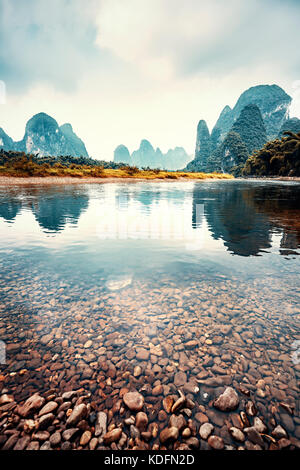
{"x": 166, "y": 223}
{"x": 2, "y": 353}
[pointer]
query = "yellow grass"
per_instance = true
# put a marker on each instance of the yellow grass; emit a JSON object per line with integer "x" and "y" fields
{"x": 97, "y": 172}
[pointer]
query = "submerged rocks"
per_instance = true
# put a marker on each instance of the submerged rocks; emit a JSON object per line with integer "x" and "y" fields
{"x": 180, "y": 379}
{"x": 112, "y": 436}
{"x": 141, "y": 421}
{"x": 79, "y": 412}
{"x": 31, "y": 405}
{"x": 237, "y": 434}
{"x": 48, "y": 408}
{"x": 169, "y": 434}
{"x": 101, "y": 424}
{"x": 134, "y": 401}
{"x": 205, "y": 430}
{"x": 216, "y": 442}
{"x": 227, "y": 401}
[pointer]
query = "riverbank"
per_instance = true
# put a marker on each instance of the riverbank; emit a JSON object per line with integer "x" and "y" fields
{"x": 63, "y": 180}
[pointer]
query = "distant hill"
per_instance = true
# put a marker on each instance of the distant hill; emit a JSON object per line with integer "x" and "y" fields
{"x": 43, "y": 136}
{"x": 148, "y": 157}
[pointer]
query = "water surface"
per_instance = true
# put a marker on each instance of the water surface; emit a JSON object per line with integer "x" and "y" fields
{"x": 152, "y": 266}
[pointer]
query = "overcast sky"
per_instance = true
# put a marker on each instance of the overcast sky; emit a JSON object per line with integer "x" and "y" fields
{"x": 123, "y": 70}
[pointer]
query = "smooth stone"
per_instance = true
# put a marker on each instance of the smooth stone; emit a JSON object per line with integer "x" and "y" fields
{"x": 31, "y": 405}
{"x": 216, "y": 442}
{"x": 46, "y": 420}
{"x": 169, "y": 434}
{"x": 101, "y": 424}
{"x": 177, "y": 421}
{"x": 205, "y": 430}
{"x": 180, "y": 379}
{"x": 55, "y": 439}
{"x": 141, "y": 421}
{"x": 227, "y": 401}
{"x": 279, "y": 432}
{"x": 237, "y": 434}
{"x": 48, "y": 408}
{"x": 79, "y": 412}
{"x": 143, "y": 355}
{"x": 112, "y": 436}
{"x": 85, "y": 438}
{"x": 134, "y": 401}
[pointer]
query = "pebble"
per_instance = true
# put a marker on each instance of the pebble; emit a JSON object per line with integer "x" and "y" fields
{"x": 227, "y": 401}
{"x": 79, "y": 412}
{"x": 237, "y": 434}
{"x": 134, "y": 401}
{"x": 55, "y": 439}
{"x": 101, "y": 424}
{"x": 169, "y": 434}
{"x": 279, "y": 432}
{"x": 85, "y": 438}
{"x": 141, "y": 421}
{"x": 112, "y": 436}
{"x": 48, "y": 408}
{"x": 31, "y": 405}
{"x": 216, "y": 442}
{"x": 205, "y": 430}
{"x": 180, "y": 379}
{"x": 177, "y": 421}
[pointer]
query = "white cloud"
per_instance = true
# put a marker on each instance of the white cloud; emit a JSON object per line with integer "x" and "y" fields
{"x": 123, "y": 70}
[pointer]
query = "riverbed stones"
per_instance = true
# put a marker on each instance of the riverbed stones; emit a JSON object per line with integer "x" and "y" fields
{"x": 134, "y": 401}
{"x": 177, "y": 421}
{"x": 169, "y": 435}
{"x": 85, "y": 438}
{"x": 48, "y": 408}
{"x": 143, "y": 355}
{"x": 112, "y": 436}
{"x": 216, "y": 442}
{"x": 101, "y": 424}
{"x": 279, "y": 432}
{"x": 78, "y": 413}
{"x": 31, "y": 405}
{"x": 206, "y": 430}
{"x": 237, "y": 434}
{"x": 141, "y": 421}
{"x": 180, "y": 379}
{"x": 254, "y": 436}
{"x": 228, "y": 400}
{"x": 55, "y": 439}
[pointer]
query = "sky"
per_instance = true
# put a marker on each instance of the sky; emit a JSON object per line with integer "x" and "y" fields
{"x": 124, "y": 70}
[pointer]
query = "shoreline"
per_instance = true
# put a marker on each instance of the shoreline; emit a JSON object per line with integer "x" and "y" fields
{"x": 67, "y": 180}
{"x": 63, "y": 180}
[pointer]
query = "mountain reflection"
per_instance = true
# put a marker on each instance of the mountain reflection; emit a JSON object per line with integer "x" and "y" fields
{"x": 9, "y": 208}
{"x": 245, "y": 215}
{"x": 52, "y": 207}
